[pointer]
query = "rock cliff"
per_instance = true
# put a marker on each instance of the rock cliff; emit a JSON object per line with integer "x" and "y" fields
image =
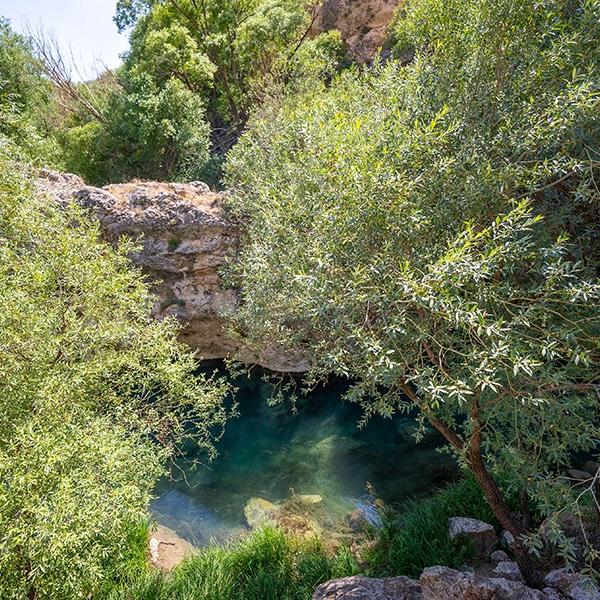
{"x": 362, "y": 23}
{"x": 184, "y": 239}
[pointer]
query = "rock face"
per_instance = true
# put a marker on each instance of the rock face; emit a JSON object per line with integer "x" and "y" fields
{"x": 442, "y": 583}
{"x": 480, "y": 534}
{"x": 184, "y": 240}
{"x": 362, "y": 23}
{"x": 363, "y": 588}
{"x": 167, "y": 549}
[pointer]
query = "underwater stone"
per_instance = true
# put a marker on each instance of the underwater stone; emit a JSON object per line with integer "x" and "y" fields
{"x": 259, "y": 511}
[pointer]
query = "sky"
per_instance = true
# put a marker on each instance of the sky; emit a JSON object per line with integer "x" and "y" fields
{"x": 83, "y": 26}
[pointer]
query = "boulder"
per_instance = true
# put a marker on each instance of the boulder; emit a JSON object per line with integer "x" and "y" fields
{"x": 498, "y": 556}
{"x": 573, "y": 585}
{"x": 167, "y": 549}
{"x": 364, "y": 588}
{"x": 442, "y": 583}
{"x": 509, "y": 570}
{"x": 481, "y": 535}
{"x": 259, "y": 511}
{"x": 507, "y": 540}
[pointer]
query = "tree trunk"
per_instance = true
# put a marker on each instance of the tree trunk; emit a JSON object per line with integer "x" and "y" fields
{"x": 527, "y": 564}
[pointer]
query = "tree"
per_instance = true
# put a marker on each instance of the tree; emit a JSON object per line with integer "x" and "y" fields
{"x": 389, "y": 238}
{"x": 228, "y": 51}
{"x": 24, "y": 96}
{"x": 95, "y": 396}
{"x": 147, "y": 132}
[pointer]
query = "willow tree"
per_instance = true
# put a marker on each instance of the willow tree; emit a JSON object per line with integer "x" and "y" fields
{"x": 94, "y": 397}
{"x": 406, "y": 228}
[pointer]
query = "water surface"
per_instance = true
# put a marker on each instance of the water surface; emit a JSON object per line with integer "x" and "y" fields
{"x": 271, "y": 452}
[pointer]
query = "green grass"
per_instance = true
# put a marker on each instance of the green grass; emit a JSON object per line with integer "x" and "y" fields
{"x": 271, "y": 565}
{"x": 416, "y": 535}
{"x": 267, "y": 565}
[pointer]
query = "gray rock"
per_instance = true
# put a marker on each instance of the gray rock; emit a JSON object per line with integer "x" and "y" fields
{"x": 591, "y": 467}
{"x": 498, "y": 556}
{"x": 509, "y": 570}
{"x": 578, "y": 475}
{"x": 364, "y": 588}
{"x": 480, "y": 534}
{"x": 507, "y": 540}
{"x": 573, "y": 585}
{"x": 442, "y": 583}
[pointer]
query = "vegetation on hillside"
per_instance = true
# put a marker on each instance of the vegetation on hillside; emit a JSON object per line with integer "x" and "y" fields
{"x": 431, "y": 231}
{"x": 94, "y": 397}
{"x": 426, "y": 226}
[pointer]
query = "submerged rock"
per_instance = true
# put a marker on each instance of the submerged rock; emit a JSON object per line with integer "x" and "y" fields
{"x": 259, "y": 512}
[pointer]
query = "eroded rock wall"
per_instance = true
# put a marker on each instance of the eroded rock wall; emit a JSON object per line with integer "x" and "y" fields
{"x": 184, "y": 240}
{"x": 362, "y": 23}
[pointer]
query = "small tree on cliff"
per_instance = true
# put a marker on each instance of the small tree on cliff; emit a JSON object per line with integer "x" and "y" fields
{"x": 355, "y": 201}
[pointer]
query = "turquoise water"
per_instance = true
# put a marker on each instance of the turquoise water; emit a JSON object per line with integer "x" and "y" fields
{"x": 271, "y": 452}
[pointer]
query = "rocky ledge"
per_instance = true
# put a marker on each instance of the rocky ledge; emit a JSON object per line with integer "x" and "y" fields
{"x": 184, "y": 240}
{"x": 442, "y": 583}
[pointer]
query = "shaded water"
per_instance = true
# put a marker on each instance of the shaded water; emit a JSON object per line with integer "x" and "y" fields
{"x": 271, "y": 452}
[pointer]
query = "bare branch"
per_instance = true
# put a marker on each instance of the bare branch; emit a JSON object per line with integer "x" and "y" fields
{"x": 58, "y": 70}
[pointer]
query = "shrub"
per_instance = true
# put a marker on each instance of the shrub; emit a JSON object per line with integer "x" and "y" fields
{"x": 406, "y": 229}
{"x": 94, "y": 397}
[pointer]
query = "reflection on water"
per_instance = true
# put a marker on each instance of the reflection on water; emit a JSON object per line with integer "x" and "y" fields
{"x": 270, "y": 451}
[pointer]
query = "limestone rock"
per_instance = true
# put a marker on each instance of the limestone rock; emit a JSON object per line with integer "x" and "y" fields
{"x": 508, "y": 570}
{"x": 573, "y": 585}
{"x": 364, "y": 588}
{"x": 498, "y": 556}
{"x": 442, "y": 583}
{"x": 184, "y": 239}
{"x": 480, "y": 534}
{"x": 259, "y": 511}
{"x": 362, "y": 23}
{"x": 167, "y": 549}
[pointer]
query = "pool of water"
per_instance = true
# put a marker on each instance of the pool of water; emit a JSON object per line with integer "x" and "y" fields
{"x": 273, "y": 452}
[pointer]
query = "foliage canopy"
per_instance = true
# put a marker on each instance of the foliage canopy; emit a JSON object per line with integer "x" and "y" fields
{"x": 94, "y": 396}
{"x": 407, "y": 228}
